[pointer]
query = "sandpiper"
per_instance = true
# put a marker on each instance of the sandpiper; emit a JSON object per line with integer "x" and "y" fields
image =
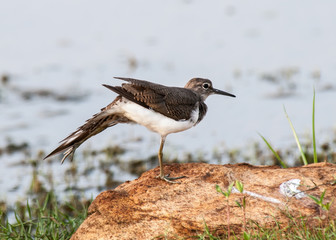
{"x": 159, "y": 108}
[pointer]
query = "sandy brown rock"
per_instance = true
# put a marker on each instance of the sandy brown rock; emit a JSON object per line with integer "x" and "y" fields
{"x": 148, "y": 207}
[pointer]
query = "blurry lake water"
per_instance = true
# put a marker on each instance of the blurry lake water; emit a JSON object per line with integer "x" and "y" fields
{"x": 54, "y": 56}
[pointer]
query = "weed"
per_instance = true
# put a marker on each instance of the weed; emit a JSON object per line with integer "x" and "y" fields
{"x": 227, "y": 195}
{"x": 296, "y": 229}
{"x": 242, "y": 204}
{"x": 303, "y": 156}
{"x": 313, "y": 129}
{"x": 319, "y": 202}
{"x": 282, "y": 163}
{"x": 304, "y": 160}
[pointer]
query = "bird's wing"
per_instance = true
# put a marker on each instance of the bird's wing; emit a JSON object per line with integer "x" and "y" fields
{"x": 173, "y": 102}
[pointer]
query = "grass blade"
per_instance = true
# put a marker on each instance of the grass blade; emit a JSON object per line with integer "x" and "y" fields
{"x": 45, "y": 203}
{"x": 28, "y": 210}
{"x": 313, "y": 129}
{"x": 296, "y": 138}
{"x": 316, "y": 200}
{"x": 322, "y": 196}
{"x": 273, "y": 151}
{"x": 218, "y": 189}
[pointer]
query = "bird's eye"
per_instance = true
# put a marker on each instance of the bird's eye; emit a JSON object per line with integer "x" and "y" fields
{"x": 206, "y": 85}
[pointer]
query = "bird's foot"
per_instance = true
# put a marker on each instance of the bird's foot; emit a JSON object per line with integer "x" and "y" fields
{"x": 170, "y": 179}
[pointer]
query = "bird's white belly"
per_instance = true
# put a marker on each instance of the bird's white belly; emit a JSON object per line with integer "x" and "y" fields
{"x": 156, "y": 121}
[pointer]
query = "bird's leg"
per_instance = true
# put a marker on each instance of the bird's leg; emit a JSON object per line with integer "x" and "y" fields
{"x": 162, "y": 176}
{"x": 163, "y": 139}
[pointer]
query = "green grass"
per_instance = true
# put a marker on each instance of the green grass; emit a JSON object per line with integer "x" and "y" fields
{"x": 303, "y": 156}
{"x": 276, "y": 155}
{"x": 299, "y": 145}
{"x": 44, "y": 220}
{"x": 313, "y": 130}
{"x": 322, "y": 227}
{"x": 296, "y": 229}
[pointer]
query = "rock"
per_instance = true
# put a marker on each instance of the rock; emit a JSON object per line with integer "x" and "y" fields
{"x": 148, "y": 208}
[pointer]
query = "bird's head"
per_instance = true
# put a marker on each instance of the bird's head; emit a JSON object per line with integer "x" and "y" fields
{"x": 204, "y": 88}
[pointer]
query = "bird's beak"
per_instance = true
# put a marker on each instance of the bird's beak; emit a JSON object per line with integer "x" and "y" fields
{"x": 217, "y": 91}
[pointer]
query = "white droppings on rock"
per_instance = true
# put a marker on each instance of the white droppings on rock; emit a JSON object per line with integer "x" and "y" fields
{"x": 289, "y": 189}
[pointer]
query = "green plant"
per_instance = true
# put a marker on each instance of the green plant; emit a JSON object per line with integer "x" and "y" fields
{"x": 208, "y": 233}
{"x": 242, "y": 204}
{"x": 227, "y": 195}
{"x": 246, "y": 236}
{"x": 313, "y": 129}
{"x": 44, "y": 220}
{"x": 319, "y": 201}
{"x": 304, "y": 159}
{"x": 282, "y": 163}
{"x": 297, "y": 228}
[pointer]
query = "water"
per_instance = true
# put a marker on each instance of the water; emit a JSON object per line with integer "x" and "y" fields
{"x": 57, "y": 55}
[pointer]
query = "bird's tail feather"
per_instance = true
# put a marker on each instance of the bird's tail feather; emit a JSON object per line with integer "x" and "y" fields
{"x": 98, "y": 123}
